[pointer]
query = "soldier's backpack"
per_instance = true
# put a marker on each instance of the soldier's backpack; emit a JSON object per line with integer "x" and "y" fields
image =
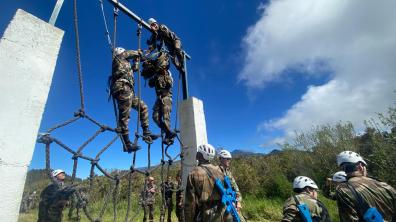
{"x": 370, "y": 214}
{"x": 304, "y": 210}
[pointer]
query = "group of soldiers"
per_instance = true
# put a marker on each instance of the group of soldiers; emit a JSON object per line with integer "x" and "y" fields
{"x": 163, "y": 46}
{"x": 359, "y": 197}
{"x": 168, "y": 187}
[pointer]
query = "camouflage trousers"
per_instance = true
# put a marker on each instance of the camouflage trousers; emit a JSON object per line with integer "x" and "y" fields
{"x": 148, "y": 209}
{"x": 180, "y": 213}
{"x": 51, "y": 213}
{"x": 162, "y": 112}
{"x": 169, "y": 207}
{"x": 124, "y": 95}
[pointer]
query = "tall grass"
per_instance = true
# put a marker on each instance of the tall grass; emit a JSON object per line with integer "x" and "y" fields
{"x": 254, "y": 209}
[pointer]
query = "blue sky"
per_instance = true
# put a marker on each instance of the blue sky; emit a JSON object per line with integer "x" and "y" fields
{"x": 263, "y": 69}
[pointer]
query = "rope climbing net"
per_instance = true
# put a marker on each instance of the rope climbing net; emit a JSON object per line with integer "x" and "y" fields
{"x": 49, "y": 140}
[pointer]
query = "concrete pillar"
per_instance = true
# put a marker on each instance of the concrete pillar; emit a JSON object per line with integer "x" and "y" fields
{"x": 192, "y": 132}
{"x": 28, "y": 53}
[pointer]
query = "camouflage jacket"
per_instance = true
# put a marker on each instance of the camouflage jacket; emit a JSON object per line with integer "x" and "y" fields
{"x": 203, "y": 200}
{"x": 167, "y": 188}
{"x": 317, "y": 210}
{"x": 163, "y": 35}
{"x": 376, "y": 194}
{"x": 148, "y": 195}
{"x": 227, "y": 172}
{"x": 121, "y": 67}
{"x": 53, "y": 200}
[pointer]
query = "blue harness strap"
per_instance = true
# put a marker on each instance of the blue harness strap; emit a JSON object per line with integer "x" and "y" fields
{"x": 304, "y": 210}
{"x": 228, "y": 197}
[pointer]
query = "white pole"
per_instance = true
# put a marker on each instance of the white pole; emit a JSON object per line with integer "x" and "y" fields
{"x": 28, "y": 53}
{"x": 192, "y": 132}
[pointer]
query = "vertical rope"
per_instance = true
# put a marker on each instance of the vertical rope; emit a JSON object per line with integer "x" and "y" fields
{"x": 78, "y": 56}
{"x": 139, "y": 34}
{"x": 47, "y": 160}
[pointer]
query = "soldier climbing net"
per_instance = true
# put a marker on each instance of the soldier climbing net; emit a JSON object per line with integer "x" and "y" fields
{"x": 48, "y": 140}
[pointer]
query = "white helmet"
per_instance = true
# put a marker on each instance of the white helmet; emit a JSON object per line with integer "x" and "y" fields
{"x": 339, "y": 176}
{"x": 349, "y": 157}
{"x": 119, "y": 50}
{"x": 151, "y": 21}
{"x": 225, "y": 154}
{"x": 208, "y": 151}
{"x": 57, "y": 172}
{"x": 301, "y": 182}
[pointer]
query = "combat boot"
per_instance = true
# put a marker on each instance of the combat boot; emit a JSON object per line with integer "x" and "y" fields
{"x": 169, "y": 138}
{"x": 128, "y": 145}
{"x": 149, "y": 137}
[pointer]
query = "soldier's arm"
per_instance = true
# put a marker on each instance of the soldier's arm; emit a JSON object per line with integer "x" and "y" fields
{"x": 168, "y": 34}
{"x": 131, "y": 54}
{"x": 346, "y": 207}
{"x": 290, "y": 211}
{"x": 236, "y": 188}
{"x": 190, "y": 200}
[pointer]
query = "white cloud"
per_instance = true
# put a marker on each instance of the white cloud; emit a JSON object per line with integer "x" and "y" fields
{"x": 354, "y": 39}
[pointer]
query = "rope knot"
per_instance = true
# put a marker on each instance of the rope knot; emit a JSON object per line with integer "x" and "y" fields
{"x": 44, "y": 138}
{"x": 80, "y": 113}
{"x": 170, "y": 162}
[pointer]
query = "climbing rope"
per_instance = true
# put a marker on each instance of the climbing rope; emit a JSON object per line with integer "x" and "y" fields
{"x": 77, "y": 39}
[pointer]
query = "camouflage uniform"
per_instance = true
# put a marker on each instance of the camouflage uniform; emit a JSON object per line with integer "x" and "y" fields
{"x": 148, "y": 201}
{"x": 203, "y": 200}
{"x": 227, "y": 172}
{"x": 53, "y": 200}
{"x": 165, "y": 36}
{"x": 161, "y": 79}
{"x": 377, "y": 194}
{"x": 167, "y": 189}
{"x": 316, "y": 208}
{"x": 121, "y": 85}
{"x": 179, "y": 202}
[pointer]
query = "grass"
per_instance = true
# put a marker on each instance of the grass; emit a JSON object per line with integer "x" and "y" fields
{"x": 254, "y": 209}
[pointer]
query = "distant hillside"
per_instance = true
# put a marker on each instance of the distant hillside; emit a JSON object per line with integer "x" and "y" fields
{"x": 241, "y": 153}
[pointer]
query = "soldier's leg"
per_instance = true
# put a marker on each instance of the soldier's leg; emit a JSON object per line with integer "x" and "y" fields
{"x": 170, "y": 209}
{"x": 151, "y": 212}
{"x": 144, "y": 122}
{"x": 145, "y": 213}
{"x": 124, "y": 103}
{"x": 166, "y": 109}
{"x": 156, "y": 113}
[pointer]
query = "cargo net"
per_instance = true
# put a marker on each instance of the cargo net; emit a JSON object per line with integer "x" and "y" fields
{"x": 111, "y": 187}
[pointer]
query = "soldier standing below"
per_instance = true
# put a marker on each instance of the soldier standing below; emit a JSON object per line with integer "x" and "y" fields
{"x": 148, "y": 199}
{"x": 203, "y": 200}
{"x": 225, "y": 161}
{"x": 167, "y": 190}
{"x": 179, "y": 198}
{"x": 306, "y": 190}
{"x": 360, "y": 192}
{"x": 54, "y": 198}
{"x": 332, "y": 183}
{"x": 121, "y": 86}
